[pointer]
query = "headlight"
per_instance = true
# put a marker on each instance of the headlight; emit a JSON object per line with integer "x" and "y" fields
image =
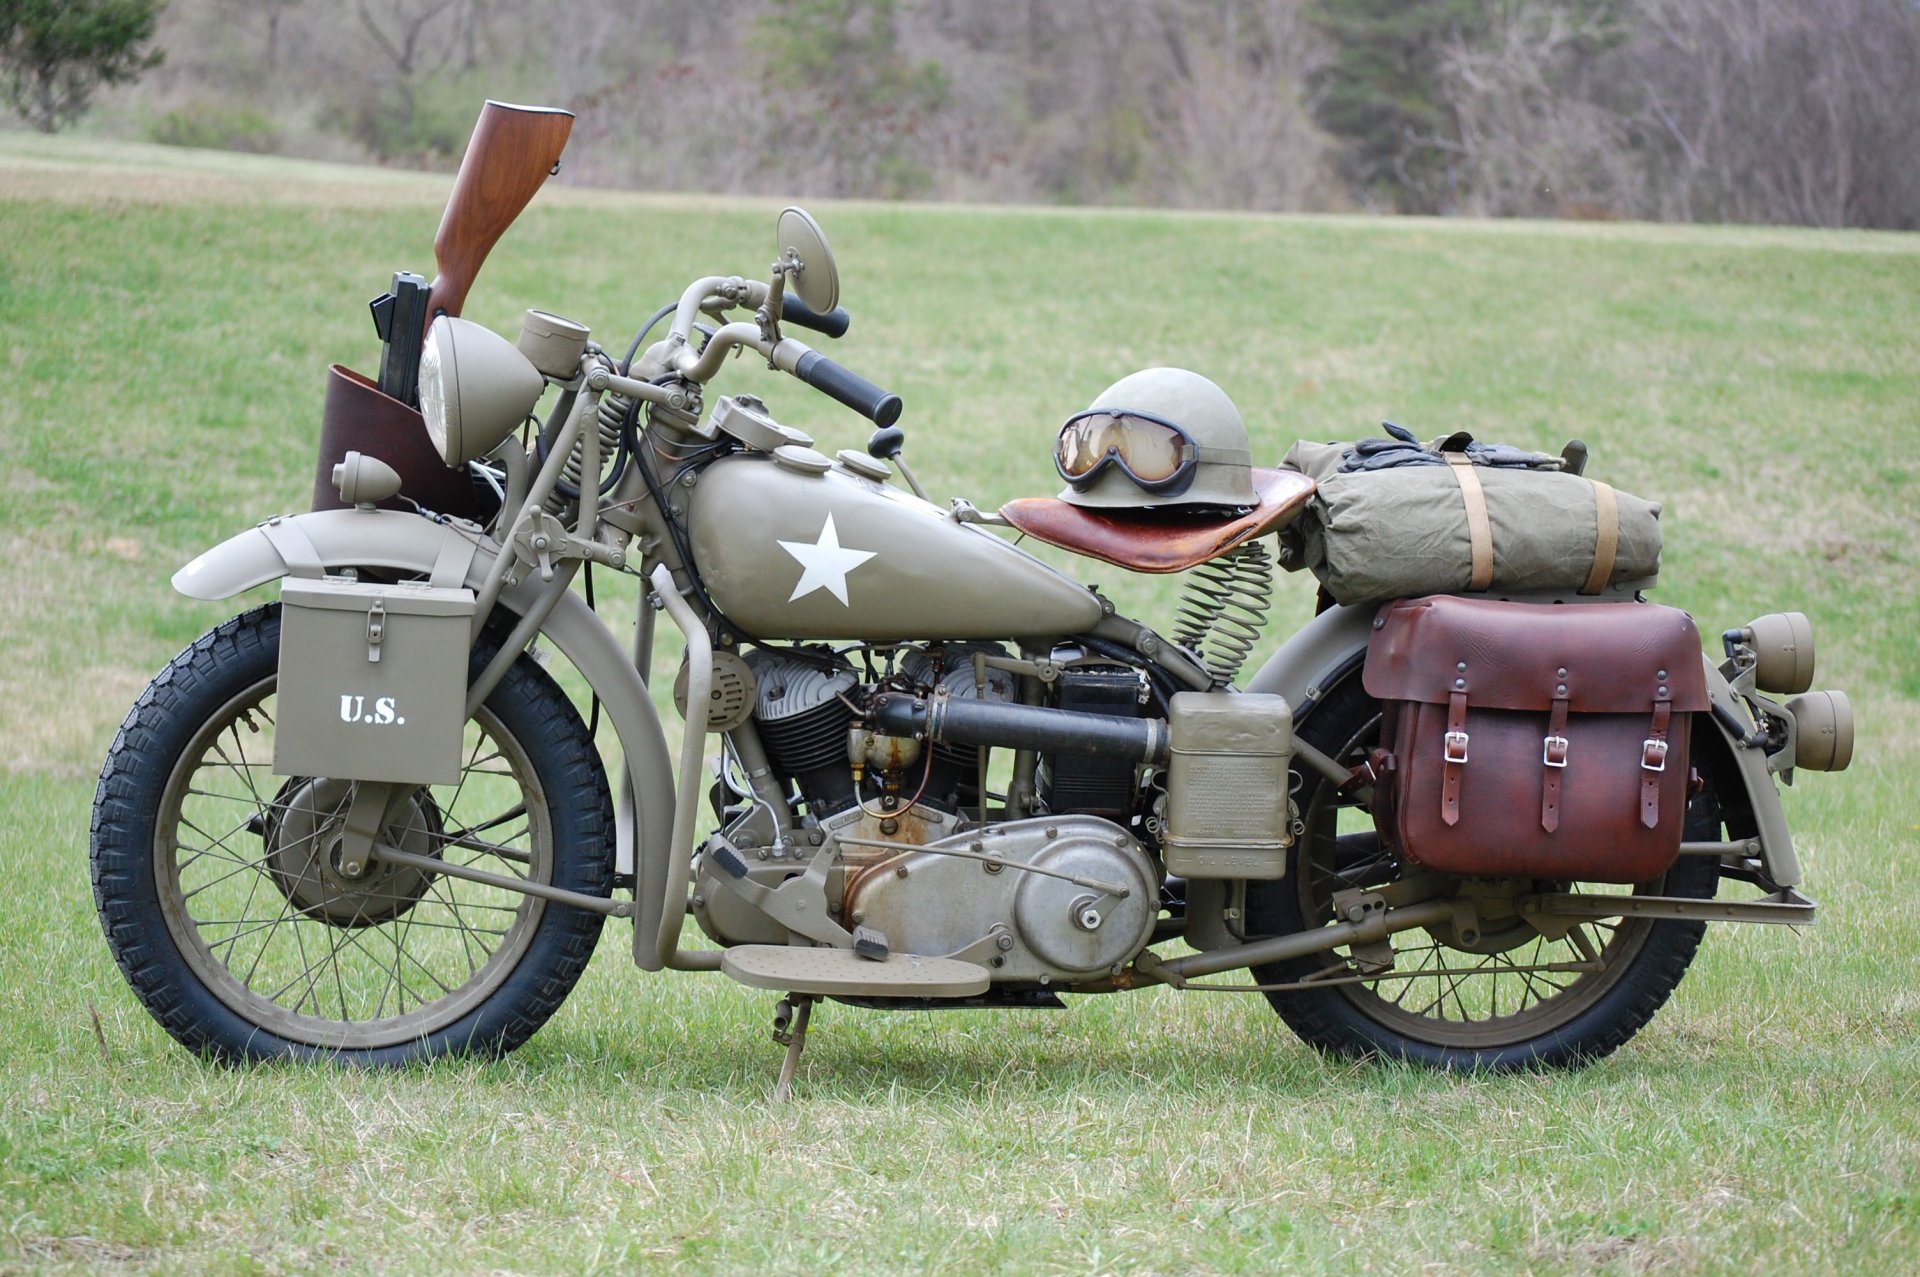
{"x": 475, "y": 389}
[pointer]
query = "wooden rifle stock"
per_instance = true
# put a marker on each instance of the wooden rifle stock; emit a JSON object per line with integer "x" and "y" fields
{"x": 511, "y": 152}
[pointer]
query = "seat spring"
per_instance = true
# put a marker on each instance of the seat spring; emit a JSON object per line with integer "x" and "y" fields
{"x": 1223, "y": 606}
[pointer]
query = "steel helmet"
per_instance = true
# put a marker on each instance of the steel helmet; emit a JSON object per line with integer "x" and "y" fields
{"x": 1162, "y": 437}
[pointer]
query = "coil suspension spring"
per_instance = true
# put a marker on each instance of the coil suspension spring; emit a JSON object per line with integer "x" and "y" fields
{"x": 1223, "y": 606}
{"x": 609, "y": 421}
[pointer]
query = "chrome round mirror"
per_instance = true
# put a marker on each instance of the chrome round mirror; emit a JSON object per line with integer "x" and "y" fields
{"x": 814, "y": 279}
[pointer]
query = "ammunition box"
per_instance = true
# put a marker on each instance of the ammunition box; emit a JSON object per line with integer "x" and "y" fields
{"x": 1228, "y": 814}
{"x": 373, "y": 681}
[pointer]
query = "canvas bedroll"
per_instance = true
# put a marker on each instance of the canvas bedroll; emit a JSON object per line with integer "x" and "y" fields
{"x": 1409, "y": 531}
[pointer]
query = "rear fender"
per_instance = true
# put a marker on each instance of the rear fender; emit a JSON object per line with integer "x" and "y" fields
{"x": 1333, "y": 645}
{"x": 452, "y": 554}
{"x": 1316, "y": 657}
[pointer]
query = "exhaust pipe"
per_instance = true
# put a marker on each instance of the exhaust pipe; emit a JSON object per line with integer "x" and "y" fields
{"x": 963, "y": 721}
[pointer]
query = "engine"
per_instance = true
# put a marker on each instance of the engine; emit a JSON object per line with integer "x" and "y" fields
{"x": 807, "y": 712}
{"x": 1049, "y": 884}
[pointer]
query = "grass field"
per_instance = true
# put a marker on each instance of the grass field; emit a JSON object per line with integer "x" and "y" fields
{"x": 168, "y": 318}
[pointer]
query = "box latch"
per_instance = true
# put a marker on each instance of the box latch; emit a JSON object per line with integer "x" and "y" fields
{"x": 376, "y": 629}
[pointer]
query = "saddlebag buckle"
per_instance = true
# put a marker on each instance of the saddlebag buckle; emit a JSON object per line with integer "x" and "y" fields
{"x": 1456, "y": 747}
{"x": 1554, "y": 753}
{"x": 1653, "y": 755}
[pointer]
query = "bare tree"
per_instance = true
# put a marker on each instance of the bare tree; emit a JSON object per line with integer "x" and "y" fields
{"x": 1801, "y": 111}
{"x": 1532, "y": 138}
{"x": 1238, "y": 131}
{"x": 417, "y": 43}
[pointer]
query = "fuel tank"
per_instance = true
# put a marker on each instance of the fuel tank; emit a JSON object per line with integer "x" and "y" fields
{"x": 792, "y": 550}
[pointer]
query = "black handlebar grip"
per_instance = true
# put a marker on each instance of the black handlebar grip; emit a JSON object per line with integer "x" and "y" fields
{"x": 879, "y": 406}
{"x": 834, "y": 323}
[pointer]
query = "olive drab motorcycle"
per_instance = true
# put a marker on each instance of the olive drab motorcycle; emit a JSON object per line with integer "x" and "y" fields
{"x": 1476, "y": 813}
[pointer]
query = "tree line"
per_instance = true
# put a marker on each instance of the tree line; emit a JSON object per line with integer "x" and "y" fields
{"x": 1790, "y": 111}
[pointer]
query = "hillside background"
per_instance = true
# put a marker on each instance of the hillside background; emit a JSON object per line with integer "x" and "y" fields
{"x": 1782, "y": 111}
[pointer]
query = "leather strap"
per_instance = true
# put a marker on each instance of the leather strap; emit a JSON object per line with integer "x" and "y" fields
{"x": 1453, "y": 749}
{"x": 1606, "y": 545}
{"x": 1653, "y": 762}
{"x": 1479, "y": 526}
{"x": 1553, "y": 761}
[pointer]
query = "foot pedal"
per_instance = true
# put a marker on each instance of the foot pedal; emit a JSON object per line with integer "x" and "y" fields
{"x": 840, "y": 973}
{"x": 870, "y": 943}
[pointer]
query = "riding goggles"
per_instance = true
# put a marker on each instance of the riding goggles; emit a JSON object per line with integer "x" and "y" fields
{"x": 1156, "y": 454}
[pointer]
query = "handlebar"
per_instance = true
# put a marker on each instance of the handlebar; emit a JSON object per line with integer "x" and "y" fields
{"x": 834, "y": 323}
{"x": 790, "y": 355}
{"x": 881, "y": 407}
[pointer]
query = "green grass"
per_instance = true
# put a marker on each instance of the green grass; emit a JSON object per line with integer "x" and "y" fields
{"x": 168, "y": 318}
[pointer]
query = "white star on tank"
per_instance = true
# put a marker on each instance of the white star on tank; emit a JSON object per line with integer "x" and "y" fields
{"x": 826, "y": 564}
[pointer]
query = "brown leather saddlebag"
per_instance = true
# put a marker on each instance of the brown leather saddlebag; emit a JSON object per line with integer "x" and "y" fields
{"x": 1535, "y": 741}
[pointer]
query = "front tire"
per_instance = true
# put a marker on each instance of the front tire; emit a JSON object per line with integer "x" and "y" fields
{"x": 213, "y": 879}
{"x": 1494, "y": 1005}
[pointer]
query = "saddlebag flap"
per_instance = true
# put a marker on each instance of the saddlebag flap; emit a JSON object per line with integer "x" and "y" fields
{"x": 373, "y": 680}
{"x": 1534, "y": 741}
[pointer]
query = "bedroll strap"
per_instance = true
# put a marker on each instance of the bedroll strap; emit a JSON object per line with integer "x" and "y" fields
{"x": 1479, "y": 526}
{"x": 1553, "y": 761}
{"x": 1454, "y": 751}
{"x": 1653, "y": 761}
{"x": 1606, "y": 545}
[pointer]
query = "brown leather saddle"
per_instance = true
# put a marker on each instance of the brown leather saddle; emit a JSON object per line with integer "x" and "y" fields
{"x": 1161, "y": 540}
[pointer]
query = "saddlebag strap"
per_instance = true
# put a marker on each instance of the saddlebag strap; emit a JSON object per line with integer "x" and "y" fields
{"x": 1479, "y": 526}
{"x": 1454, "y": 751}
{"x": 1653, "y": 761}
{"x": 1606, "y": 544}
{"x": 1553, "y": 761}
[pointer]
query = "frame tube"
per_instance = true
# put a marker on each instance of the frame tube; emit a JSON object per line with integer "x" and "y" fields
{"x": 673, "y": 902}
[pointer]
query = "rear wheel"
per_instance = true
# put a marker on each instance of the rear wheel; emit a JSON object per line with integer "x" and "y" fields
{"x": 219, "y": 886}
{"x": 1500, "y": 997}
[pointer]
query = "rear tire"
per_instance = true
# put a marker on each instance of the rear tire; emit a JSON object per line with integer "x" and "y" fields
{"x": 1454, "y": 1020}
{"x": 213, "y": 881}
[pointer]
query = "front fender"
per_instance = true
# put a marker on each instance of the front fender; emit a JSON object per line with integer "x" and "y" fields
{"x": 281, "y": 546}
{"x": 1333, "y": 645}
{"x": 306, "y": 544}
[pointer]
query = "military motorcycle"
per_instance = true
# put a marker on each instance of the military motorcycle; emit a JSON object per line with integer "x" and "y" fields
{"x": 1477, "y": 818}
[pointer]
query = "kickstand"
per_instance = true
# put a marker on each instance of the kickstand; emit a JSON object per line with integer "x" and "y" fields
{"x": 794, "y": 1009}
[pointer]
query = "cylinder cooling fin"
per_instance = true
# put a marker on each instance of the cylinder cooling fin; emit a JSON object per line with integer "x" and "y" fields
{"x": 803, "y": 720}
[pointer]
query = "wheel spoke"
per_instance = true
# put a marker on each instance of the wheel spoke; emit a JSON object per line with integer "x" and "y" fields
{"x": 245, "y": 863}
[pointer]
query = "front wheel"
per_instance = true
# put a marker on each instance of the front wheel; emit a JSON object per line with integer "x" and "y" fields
{"x": 1503, "y": 999}
{"x": 217, "y": 881}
